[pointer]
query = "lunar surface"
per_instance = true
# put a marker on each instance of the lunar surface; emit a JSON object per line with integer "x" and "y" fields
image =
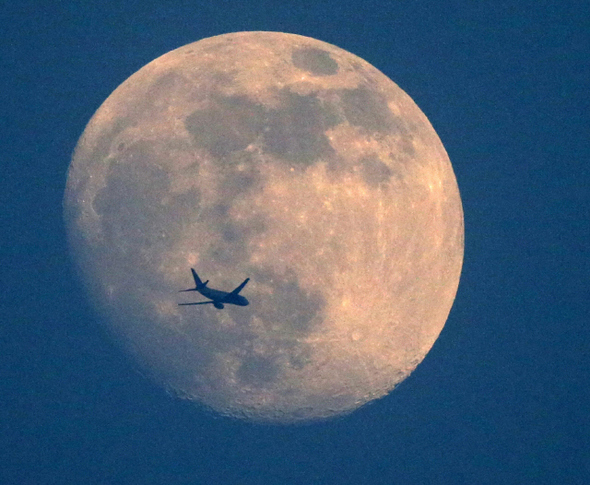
{"x": 294, "y": 163}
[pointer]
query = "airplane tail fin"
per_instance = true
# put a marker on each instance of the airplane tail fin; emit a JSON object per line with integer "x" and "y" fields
{"x": 198, "y": 283}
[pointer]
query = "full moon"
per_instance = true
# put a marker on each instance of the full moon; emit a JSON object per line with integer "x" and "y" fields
{"x": 294, "y": 163}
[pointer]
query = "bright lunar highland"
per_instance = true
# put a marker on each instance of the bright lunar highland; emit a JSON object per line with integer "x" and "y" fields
{"x": 289, "y": 161}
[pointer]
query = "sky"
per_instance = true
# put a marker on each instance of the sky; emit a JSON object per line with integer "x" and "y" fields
{"x": 503, "y": 395}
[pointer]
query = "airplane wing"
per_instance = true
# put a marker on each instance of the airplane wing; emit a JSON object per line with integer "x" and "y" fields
{"x": 239, "y": 288}
{"x": 198, "y": 303}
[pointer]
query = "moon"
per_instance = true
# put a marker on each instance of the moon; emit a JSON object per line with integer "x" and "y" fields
{"x": 289, "y": 161}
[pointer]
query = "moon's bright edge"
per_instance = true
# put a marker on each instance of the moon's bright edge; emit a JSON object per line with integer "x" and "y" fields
{"x": 290, "y": 161}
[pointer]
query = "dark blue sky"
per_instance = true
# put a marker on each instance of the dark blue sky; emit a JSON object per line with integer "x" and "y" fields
{"x": 503, "y": 395}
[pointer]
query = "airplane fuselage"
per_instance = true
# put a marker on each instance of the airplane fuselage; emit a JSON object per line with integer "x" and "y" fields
{"x": 223, "y": 296}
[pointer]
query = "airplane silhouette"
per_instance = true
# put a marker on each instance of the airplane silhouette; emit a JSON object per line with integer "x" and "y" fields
{"x": 218, "y": 298}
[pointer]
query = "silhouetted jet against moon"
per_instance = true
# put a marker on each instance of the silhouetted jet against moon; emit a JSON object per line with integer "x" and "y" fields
{"x": 218, "y": 298}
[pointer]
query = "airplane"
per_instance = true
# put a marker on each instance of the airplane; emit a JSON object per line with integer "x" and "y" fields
{"x": 218, "y": 298}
